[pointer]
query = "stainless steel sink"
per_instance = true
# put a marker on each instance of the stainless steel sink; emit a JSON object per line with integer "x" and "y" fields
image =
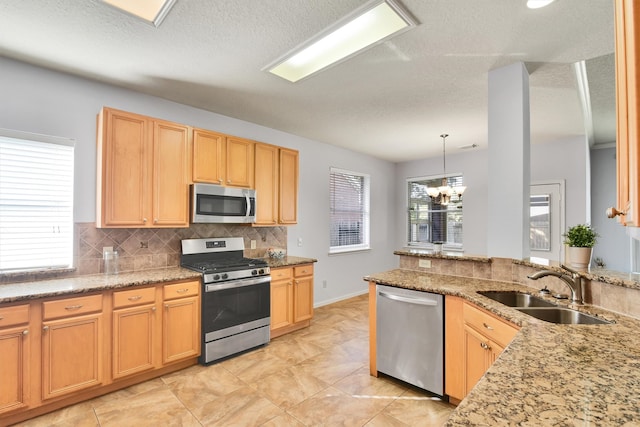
{"x": 562, "y": 315}
{"x": 516, "y": 299}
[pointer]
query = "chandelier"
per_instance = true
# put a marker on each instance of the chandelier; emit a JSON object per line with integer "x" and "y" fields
{"x": 442, "y": 195}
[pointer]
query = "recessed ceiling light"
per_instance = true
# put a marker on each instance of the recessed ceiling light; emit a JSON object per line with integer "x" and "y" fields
{"x": 153, "y": 11}
{"x": 537, "y": 4}
{"x": 373, "y": 23}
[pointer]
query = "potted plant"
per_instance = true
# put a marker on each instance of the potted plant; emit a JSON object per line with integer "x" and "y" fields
{"x": 580, "y": 240}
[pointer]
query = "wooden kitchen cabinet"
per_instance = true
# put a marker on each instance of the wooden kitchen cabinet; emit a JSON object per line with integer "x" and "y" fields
{"x": 291, "y": 299}
{"x": 485, "y": 337}
{"x": 135, "y": 332}
{"x": 627, "y": 45}
{"x": 454, "y": 348}
{"x": 14, "y": 358}
{"x": 222, "y": 159}
{"x": 276, "y": 183}
{"x": 181, "y": 321}
{"x": 72, "y": 345}
{"x": 142, "y": 171}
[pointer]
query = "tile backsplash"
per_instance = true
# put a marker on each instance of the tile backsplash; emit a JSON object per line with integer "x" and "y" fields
{"x": 144, "y": 248}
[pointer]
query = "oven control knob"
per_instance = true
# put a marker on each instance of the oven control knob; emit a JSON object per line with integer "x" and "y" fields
{"x": 216, "y": 277}
{"x": 225, "y": 276}
{"x": 254, "y": 272}
{"x": 261, "y": 271}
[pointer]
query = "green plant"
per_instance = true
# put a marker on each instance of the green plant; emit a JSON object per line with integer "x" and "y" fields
{"x": 580, "y": 236}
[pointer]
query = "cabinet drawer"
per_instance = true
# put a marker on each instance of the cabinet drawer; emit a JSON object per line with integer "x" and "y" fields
{"x": 488, "y": 325}
{"x": 281, "y": 273}
{"x": 303, "y": 270}
{"x": 14, "y": 315}
{"x": 133, "y": 297}
{"x": 71, "y": 307}
{"x": 180, "y": 290}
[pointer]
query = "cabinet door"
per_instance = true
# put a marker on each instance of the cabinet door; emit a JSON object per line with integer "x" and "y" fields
{"x": 170, "y": 175}
{"x": 239, "y": 165}
{"x": 71, "y": 355}
{"x": 14, "y": 368}
{"x": 133, "y": 340}
{"x": 288, "y": 198}
{"x": 476, "y": 357}
{"x": 303, "y": 304}
{"x": 124, "y": 187}
{"x": 208, "y": 157}
{"x": 266, "y": 184}
{"x": 281, "y": 303}
{"x": 454, "y": 347}
{"x": 181, "y": 329}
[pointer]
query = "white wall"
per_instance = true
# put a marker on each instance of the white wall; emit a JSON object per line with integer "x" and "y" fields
{"x": 559, "y": 160}
{"x": 42, "y": 101}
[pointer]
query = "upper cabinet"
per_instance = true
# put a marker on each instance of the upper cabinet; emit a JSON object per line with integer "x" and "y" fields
{"x": 627, "y": 32}
{"x": 222, "y": 159}
{"x": 276, "y": 184}
{"x": 143, "y": 170}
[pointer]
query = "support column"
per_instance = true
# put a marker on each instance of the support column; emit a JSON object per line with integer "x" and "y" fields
{"x": 509, "y": 162}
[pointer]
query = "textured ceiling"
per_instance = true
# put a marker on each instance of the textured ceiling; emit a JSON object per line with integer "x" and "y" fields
{"x": 391, "y": 101}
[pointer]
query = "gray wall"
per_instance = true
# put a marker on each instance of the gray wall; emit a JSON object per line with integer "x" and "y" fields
{"x": 613, "y": 245}
{"x": 42, "y": 101}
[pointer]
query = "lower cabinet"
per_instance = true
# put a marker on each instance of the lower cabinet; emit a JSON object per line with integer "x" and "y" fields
{"x": 54, "y": 352}
{"x": 14, "y": 357}
{"x": 474, "y": 338}
{"x": 291, "y": 299}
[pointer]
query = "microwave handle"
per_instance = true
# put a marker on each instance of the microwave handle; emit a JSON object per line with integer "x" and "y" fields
{"x": 248, "y": 203}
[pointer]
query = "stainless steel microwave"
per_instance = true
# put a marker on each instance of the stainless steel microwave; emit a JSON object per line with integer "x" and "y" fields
{"x": 216, "y": 204}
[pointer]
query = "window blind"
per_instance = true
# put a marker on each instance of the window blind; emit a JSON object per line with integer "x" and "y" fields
{"x": 36, "y": 201}
{"x": 349, "y": 211}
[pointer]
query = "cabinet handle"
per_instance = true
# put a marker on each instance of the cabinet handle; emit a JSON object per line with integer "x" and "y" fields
{"x": 73, "y": 307}
{"x": 485, "y": 346}
{"x": 155, "y": 220}
{"x": 45, "y": 328}
{"x": 297, "y": 282}
{"x": 182, "y": 291}
{"x": 488, "y": 327}
{"x": 166, "y": 306}
{"x": 135, "y": 298}
{"x": 25, "y": 332}
{"x": 144, "y": 220}
{"x": 290, "y": 283}
{"x": 153, "y": 308}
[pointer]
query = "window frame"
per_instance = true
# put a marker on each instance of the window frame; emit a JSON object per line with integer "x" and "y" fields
{"x": 366, "y": 213}
{"x": 449, "y": 247}
{"x": 68, "y": 200}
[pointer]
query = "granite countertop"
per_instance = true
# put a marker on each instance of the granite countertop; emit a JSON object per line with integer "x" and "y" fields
{"x": 98, "y": 282}
{"x": 561, "y": 375}
{"x": 289, "y": 261}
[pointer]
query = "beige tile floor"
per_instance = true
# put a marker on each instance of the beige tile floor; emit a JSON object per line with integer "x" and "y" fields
{"x": 314, "y": 377}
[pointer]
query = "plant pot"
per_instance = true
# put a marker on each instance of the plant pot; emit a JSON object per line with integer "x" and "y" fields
{"x": 579, "y": 257}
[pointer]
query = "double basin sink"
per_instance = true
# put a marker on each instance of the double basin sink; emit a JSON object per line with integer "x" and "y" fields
{"x": 542, "y": 309}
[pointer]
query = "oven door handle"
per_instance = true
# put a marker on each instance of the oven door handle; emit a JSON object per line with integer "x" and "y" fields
{"x": 236, "y": 283}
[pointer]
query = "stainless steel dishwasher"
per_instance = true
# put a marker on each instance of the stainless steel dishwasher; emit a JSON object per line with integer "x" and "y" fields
{"x": 410, "y": 336}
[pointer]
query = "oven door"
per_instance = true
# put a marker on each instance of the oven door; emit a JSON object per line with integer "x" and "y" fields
{"x": 236, "y": 306}
{"x": 216, "y": 204}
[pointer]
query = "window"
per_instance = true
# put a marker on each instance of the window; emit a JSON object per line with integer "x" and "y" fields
{"x": 429, "y": 222}
{"x": 36, "y": 201}
{"x": 349, "y": 205}
{"x": 540, "y": 218}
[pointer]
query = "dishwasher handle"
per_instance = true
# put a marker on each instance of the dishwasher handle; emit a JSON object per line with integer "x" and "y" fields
{"x": 418, "y": 301}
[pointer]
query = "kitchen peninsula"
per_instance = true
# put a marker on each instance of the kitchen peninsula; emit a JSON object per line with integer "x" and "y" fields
{"x": 550, "y": 374}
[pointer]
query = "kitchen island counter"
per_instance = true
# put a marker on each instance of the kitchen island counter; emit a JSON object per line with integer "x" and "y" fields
{"x": 549, "y": 374}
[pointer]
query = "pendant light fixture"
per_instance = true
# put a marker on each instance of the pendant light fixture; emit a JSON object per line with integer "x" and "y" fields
{"x": 442, "y": 195}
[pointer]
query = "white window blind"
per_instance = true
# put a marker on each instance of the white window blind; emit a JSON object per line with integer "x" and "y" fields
{"x": 36, "y": 201}
{"x": 349, "y": 211}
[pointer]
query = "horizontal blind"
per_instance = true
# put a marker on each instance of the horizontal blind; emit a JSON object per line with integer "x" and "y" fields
{"x": 36, "y": 202}
{"x": 349, "y": 210}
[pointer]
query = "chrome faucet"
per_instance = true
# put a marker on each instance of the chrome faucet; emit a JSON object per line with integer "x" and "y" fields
{"x": 572, "y": 279}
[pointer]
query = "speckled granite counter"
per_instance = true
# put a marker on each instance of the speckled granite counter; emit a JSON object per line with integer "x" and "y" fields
{"x": 560, "y": 375}
{"x": 289, "y": 261}
{"x": 99, "y": 282}
{"x": 442, "y": 255}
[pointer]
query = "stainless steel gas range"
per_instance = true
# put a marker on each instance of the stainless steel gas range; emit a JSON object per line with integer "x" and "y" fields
{"x": 236, "y": 303}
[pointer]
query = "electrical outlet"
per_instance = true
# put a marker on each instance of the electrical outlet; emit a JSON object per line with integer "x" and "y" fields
{"x": 424, "y": 263}
{"x": 300, "y": 241}
{"x": 253, "y": 244}
{"x": 324, "y": 283}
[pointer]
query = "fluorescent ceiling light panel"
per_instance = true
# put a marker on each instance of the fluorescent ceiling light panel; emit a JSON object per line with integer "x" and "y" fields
{"x": 153, "y": 11}
{"x": 373, "y": 24}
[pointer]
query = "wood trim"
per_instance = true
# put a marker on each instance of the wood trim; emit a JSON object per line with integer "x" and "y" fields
{"x": 454, "y": 347}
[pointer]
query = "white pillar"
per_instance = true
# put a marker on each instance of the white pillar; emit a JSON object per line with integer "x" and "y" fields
{"x": 509, "y": 162}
